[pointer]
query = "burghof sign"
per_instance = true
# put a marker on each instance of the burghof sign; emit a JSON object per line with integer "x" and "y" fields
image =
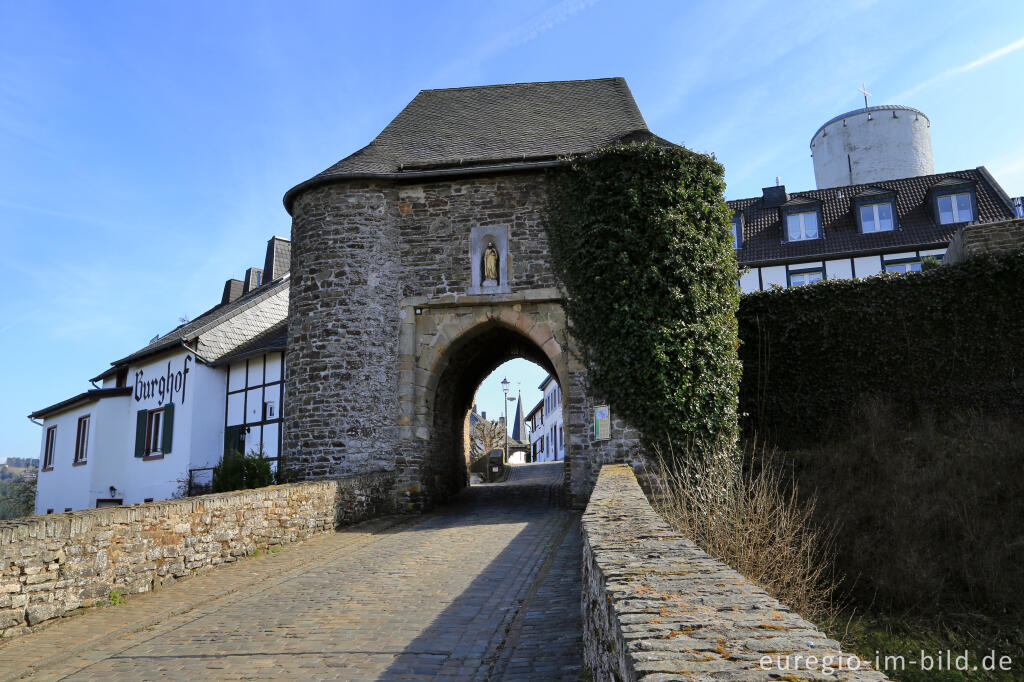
{"x": 163, "y": 387}
{"x": 602, "y": 422}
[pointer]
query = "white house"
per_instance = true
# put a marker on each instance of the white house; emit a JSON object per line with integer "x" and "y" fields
{"x": 878, "y": 206}
{"x": 547, "y": 437}
{"x": 212, "y": 385}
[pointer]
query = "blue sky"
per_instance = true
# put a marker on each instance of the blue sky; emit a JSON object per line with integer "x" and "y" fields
{"x": 145, "y": 147}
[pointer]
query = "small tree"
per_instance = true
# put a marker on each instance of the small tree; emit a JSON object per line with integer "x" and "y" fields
{"x": 241, "y": 472}
{"x": 18, "y": 498}
{"x": 484, "y": 437}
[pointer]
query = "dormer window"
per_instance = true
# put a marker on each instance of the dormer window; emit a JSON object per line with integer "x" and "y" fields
{"x": 954, "y": 201}
{"x": 736, "y": 229}
{"x": 955, "y": 208}
{"x": 876, "y": 217}
{"x": 801, "y": 226}
{"x": 801, "y": 219}
{"x": 875, "y": 209}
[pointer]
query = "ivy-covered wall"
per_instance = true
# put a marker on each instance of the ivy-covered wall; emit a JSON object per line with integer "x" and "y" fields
{"x": 943, "y": 341}
{"x": 639, "y": 238}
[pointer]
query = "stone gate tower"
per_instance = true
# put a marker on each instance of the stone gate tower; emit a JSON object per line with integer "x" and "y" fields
{"x": 419, "y": 264}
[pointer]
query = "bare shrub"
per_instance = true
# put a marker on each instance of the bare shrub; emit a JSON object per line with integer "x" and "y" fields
{"x": 751, "y": 519}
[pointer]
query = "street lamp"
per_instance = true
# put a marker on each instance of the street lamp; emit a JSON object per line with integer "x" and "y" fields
{"x": 504, "y": 388}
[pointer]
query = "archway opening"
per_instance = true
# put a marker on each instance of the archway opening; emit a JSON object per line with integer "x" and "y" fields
{"x": 469, "y": 364}
{"x": 504, "y": 416}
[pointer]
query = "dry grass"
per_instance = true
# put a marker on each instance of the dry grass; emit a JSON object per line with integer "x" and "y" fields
{"x": 751, "y": 519}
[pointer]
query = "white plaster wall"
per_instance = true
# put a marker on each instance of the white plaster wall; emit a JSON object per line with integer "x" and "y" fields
{"x": 114, "y": 425}
{"x": 933, "y": 252}
{"x": 536, "y": 433}
{"x": 867, "y": 266}
{"x": 159, "y": 478}
{"x": 879, "y": 147}
{"x": 805, "y": 266}
{"x": 838, "y": 269}
{"x": 207, "y": 417}
{"x": 66, "y": 485}
{"x": 749, "y": 281}
{"x": 889, "y": 257}
{"x": 775, "y": 274}
{"x": 552, "y": 424}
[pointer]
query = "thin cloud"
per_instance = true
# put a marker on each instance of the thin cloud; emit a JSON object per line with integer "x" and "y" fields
{"x": 543, "y": 22}
{"x": 963, "y": 68}
{"x": 517, "y": 36}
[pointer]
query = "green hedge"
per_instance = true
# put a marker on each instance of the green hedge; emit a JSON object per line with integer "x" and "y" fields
{"x": 939, "y": 342}
{"x": 639, "y": 237}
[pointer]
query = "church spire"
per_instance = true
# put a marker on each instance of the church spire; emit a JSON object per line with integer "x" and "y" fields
{"x": 519, "y": 426}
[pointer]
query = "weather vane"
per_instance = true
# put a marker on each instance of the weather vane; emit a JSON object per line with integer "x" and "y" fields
{"x": 863, "y": 89}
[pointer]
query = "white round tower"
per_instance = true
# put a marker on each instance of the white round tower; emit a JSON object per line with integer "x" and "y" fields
{"x": 871, "y": 144}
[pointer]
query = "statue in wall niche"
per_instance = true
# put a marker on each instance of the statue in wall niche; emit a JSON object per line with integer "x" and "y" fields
{"x": 490, "y": 264}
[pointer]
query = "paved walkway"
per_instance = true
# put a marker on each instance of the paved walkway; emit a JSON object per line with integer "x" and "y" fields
{"x": 482, "y": 590}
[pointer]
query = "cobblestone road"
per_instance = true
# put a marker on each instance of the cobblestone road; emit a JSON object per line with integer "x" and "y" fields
{"x": 484, "y": 589}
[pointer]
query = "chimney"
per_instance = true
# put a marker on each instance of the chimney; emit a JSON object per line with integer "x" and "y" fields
{"x": 279, "y": 256}
{"x": 253, "y": 280}
{"x": 233, "y": 288}
{"x": 774, "y": 196}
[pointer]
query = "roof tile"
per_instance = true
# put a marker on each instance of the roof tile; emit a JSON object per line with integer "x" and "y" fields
{"x": 762, "y": 226}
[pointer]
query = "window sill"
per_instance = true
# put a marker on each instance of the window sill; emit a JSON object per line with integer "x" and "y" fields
{"x": 150, "y": 458}
{"x": 80, "y": 464}
{"x": 46, "y": 469}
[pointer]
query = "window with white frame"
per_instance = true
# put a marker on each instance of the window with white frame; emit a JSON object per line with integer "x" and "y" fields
{"x": 154, "y": 432}
{"x": 798, "y": 279}
{"x": 903, "y": 268}
{"x": 955, "y": 208}
{"x": 876, "y": 217}
{"x": 801, "y": 226}
{"x": 82, "y": 440}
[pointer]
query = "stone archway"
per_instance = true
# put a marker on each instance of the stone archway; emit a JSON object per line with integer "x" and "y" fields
{"x": 384, "y": 299}
{"x": 454, "y": 345}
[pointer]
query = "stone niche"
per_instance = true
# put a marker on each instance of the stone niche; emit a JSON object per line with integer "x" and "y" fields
{"x": 479, "y": 238}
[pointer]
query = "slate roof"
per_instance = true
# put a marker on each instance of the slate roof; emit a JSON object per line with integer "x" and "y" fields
{"x": 496, "y": 125}
{"x": 273, "y": 339}
{"x": 223, "y": 328}
{"x": 762, "y": 243}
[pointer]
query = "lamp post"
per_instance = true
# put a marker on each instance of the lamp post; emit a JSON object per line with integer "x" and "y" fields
{"x": 504, "y": 388}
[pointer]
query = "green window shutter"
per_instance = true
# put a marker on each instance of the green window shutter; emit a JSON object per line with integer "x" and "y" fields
{"x": 140, "y": 432}
{"x": 168, "y": 434}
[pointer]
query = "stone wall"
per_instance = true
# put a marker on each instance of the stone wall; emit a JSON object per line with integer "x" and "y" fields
{"x": 985, "y": 238}
{"x": 387, "y": 341}
{"x": 436, "y": 218}
{"x": 53, "y": 564}
{"x": 657, "y": 607}
{"x": 342, "y": 332}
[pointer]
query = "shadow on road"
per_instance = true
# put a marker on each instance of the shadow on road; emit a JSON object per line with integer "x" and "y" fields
{"x": 520, "y": 616}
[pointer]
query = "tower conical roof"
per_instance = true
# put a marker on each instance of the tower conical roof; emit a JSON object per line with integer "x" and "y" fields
{"x": 519, "y": 426}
